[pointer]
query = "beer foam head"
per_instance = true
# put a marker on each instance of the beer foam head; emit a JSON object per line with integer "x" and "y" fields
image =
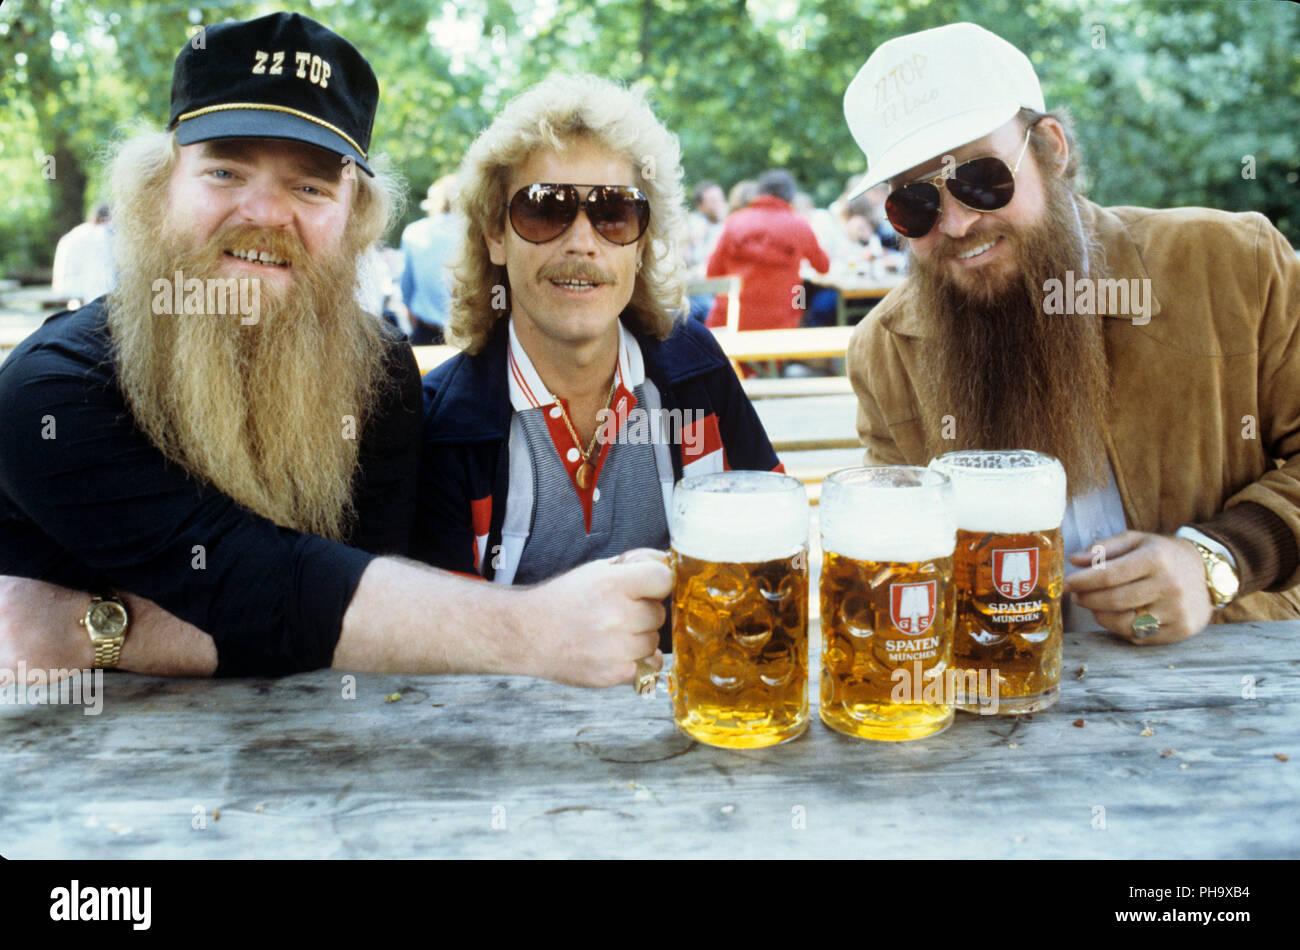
{"x": 1009, "y": 492}
{"x": 739, "y": 517}
{"x": 888, "y": 513}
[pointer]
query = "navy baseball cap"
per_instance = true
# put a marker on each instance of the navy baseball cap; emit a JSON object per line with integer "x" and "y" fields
{"x": 282, "y": 76}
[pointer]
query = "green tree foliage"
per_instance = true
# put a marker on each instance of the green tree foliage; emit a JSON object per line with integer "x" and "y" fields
{"x": 1175, "y": 101}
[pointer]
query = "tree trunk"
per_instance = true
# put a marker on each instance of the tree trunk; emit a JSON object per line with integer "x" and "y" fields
{"x": 67, "y": 187}
{"x": 67, "y": 195}
{"x": 644, "y": 44}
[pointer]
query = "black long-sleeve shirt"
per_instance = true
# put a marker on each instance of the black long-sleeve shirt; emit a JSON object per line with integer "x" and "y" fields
{"x": 88, "y": 502}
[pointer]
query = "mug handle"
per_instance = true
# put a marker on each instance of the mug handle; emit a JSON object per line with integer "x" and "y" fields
{"x": 646, "y": 680}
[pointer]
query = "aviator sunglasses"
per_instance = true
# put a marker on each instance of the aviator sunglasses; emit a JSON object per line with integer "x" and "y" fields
{"x": 981, "y": 184}
{"x": 542, "y": 212}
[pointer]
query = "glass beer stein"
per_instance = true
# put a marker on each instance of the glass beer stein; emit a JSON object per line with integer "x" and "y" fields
{"x": 740, "y": 608}
{"x": 1010, "y": 567}
{"x": 887, "y": 602}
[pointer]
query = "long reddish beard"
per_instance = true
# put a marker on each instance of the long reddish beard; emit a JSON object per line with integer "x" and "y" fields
{"x": 270, "y": 413}
{"x": 1010, "y": 375}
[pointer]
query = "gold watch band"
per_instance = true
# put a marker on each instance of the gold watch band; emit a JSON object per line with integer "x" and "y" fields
{"x": 1210, "y": 560}
{"x": 106, "y": 622}
{"x": 108, "y": 653}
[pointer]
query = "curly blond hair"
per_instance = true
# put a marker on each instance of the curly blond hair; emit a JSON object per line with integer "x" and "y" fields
{"x": 552, "y": 115}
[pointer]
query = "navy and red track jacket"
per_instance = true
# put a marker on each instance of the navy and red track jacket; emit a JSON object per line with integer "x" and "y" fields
{"x": 465, "y": 463}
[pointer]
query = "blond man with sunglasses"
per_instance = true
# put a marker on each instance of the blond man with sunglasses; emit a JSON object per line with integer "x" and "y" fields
{"x": 1155, "y": 353}
{"x": 584, "y": 392}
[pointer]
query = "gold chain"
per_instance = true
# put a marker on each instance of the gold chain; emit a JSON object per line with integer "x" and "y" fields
{"x": 586, "y": 456}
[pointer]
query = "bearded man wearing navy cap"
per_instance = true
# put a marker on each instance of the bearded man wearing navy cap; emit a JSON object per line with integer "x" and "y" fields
{"x": 1155, "y": 353}
{"x": 212, "y": 469}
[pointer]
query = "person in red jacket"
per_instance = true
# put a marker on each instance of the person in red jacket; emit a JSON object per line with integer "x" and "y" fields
{"x": 765, "y": 244}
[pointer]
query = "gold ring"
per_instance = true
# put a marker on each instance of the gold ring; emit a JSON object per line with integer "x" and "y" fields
{"x": 1145, "y": 625}
{"x": 647, "y": 679}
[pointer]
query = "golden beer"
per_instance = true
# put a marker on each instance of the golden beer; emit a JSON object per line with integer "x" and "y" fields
{"x": 887, "y": 602}
{"x": 740, "y": 608}
{"x": 1009, "y": 571}
{"x": 1013, "y": 626}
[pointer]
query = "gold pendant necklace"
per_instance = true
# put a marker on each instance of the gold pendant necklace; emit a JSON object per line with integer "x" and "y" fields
{"x": 586, "y": 471}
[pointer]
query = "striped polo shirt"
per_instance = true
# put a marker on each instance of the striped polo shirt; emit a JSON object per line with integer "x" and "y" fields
{"x": 563, "y": 525}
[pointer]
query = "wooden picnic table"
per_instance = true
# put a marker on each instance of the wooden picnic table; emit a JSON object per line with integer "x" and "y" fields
{"x": 1169, "y": 759}
{"x": 794, "y": 344}
{"x": 853, "y": 295}
{"x": 858, "y": 286}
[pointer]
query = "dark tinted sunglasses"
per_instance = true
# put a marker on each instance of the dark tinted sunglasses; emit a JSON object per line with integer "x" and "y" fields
{"x": 982, "y": 184}
{"x": 542, "y": 212}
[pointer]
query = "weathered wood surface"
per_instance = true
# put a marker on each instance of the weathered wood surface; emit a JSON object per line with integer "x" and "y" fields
{"x": 295, "y": 770}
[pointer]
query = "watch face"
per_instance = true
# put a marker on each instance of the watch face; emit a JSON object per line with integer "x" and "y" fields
{"x": 107, "y": 619}
{"x": 1223, "y": 579}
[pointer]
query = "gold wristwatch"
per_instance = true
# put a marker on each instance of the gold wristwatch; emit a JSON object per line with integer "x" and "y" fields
{"x": 106, "y": 621}
{"x": 1220, "y": 576}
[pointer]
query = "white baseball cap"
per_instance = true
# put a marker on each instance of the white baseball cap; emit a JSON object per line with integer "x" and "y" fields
{"x": 922, "y": 94}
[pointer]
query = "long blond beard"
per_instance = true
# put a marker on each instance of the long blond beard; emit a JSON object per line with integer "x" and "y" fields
{"x": 270, "y": 413}
{"x": 1008, "y": 375}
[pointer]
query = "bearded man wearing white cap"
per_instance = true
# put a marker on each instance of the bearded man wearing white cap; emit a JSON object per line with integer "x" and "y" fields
{"x": 1154, "y": 352}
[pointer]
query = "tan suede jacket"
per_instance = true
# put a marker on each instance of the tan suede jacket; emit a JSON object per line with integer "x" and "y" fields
{"x": 1204, "y": 428}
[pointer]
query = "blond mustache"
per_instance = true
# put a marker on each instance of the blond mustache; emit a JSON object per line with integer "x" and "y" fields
{"x": 575, "y": 271}
{"x": 249, "y": 237}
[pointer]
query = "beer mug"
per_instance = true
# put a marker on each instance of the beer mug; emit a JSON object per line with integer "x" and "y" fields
{"x": 740, "y": 608}
{"x": 887, "y": 601}
{"x": 1010, "y": 566}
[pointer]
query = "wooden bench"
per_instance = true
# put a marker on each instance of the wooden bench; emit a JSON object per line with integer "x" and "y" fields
{"x": 813, "y": 436}
{"x": 36, "y": 298}
{"x": 12, "y": 336}
{"x": 759, "y": 388}
{"x": 810, "y": 422}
